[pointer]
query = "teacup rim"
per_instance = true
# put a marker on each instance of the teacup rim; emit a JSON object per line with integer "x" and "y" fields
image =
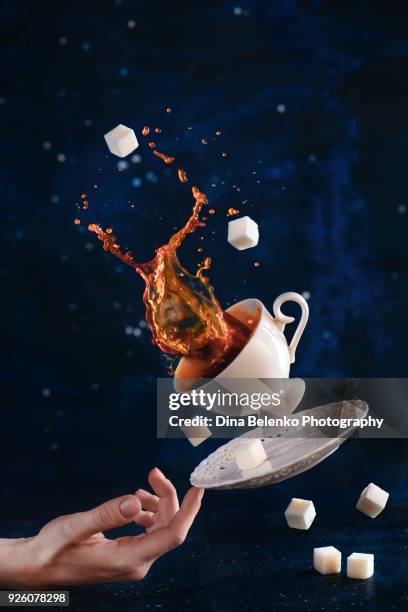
{"x": 253, "y": 330}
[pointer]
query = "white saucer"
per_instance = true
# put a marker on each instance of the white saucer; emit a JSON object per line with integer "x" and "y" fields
{"x": 287, "y": 455}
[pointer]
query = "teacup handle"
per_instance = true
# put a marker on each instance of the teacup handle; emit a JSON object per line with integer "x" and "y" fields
{"x": 282, "y": 319}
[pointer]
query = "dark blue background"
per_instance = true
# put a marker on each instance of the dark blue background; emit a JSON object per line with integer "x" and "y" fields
{"x": 325, "y": 180}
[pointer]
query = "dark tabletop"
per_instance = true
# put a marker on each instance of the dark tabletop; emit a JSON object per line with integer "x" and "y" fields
{"x": 241, "y": 555}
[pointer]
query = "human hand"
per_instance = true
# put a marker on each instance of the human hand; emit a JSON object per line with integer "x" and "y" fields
{"x": 73, "y": 550}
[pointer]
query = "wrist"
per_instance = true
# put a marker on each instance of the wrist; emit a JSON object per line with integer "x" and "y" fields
{"x": 16, "y": 566}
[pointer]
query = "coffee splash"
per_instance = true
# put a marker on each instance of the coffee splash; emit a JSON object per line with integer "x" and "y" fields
{"x": 181, "y": 308}
{"x": 185, "y": 317}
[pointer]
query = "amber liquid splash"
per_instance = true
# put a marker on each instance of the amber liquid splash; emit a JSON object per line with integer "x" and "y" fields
{"x": 184, "y": 315}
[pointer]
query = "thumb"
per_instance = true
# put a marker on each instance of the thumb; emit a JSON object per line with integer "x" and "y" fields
{"x": 82, "y": 525}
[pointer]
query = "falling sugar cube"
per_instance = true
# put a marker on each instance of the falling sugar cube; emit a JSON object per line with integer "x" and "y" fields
{"x": 360, "y": 566}
{"x": 327, "y": 560}
{"x": 243, "y": 233}
{"x": 249, "y": 454}
{"x": 300, "y": 513}
{"x": 372, "y": 500}
{"x": 121, "y": 140}
{"x": 196, "y": 435}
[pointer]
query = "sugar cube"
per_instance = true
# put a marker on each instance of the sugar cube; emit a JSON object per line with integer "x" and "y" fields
{"x": 249, "y": 454}
{"x": 243, "y": 233}
{"x": 372, "y": 500}
{"x": 121, "y": 140}
{"x": 360, "y": 565}
{"x": 196, "y": 435}
{"x": 327, "y": 560}
{"x": 300, "y": 513}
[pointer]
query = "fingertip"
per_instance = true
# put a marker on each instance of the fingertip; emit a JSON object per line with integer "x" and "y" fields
{"x": 200, "y": 492}
{"x": 130, "y": 506}
{"x": 155, "y": 475}
{"x": 142, "y": 492}
{"x": 193, "y": 497}
{"x": 161, "y": 485}
{"x": 157, "y": 471}
{"x": 197, "y": 491}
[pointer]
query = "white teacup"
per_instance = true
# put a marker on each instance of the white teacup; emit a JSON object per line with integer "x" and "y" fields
{"x": 266, "y": 355}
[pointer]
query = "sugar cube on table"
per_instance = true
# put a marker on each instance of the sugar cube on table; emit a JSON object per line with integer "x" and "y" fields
{"x": 327, "y": 560}
{"x": 372, "y": 500}
{"x": 196, "y": 435}
{"x": 300, "y": 513}
{"x": 360, "y": 566}
{"x": 249, "y": 454}
{"x": 243, "y": 233}
{"x": 121, "y": 140}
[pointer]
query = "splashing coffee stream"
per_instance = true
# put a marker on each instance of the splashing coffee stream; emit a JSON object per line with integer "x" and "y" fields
{"x": 181, "y": 308}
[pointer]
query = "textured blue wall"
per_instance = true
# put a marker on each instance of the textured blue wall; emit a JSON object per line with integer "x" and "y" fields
{"x": 312, "y": 104}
